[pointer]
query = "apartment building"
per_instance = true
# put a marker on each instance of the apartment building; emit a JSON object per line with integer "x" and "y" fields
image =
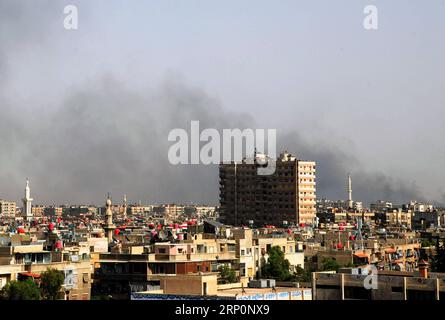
{"x": 390, "y": 254}
{"x": 286, "y": 196}
{"x": 54, "y": 211}
{"x": 172, "y": 212}
{"x": 136, "y": 209}
{"x": 422, "y": 220}
{"x": 143, "y": 268}
{"x": 262, "y": 243}
{"x": 8, "y": 209}
{"x": 37, "y": 210}
{"x": 200, "y": 212}
{"x": 24, "y": 258}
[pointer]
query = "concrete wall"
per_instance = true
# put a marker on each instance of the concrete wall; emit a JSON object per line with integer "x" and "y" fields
{"x": 189, "y": 285}
{"x": 346, "y": 286}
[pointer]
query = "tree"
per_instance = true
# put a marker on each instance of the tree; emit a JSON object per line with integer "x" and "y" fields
{"x": 51, "y": 284}
{"x": 427, "y": 243}
{"x": 277, "y": 267}
{"x": 20, "y": 290}
{"x": 228, "y": 275}
{"x": 438, "y": 260}
{"x": 330, "y": 264}
{"x": 302, "y": 275}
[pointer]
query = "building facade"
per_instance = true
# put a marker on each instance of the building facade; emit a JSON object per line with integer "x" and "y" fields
{"x": 286, "y": 196}
{"x": 19, "y": 261}
{"x": 8, "y": 209}
{"x": 146, "y": 267}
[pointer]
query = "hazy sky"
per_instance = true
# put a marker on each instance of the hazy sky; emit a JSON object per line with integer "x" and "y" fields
{"x": 87, "y": 112}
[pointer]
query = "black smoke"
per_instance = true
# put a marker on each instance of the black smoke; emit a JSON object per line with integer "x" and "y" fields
{"x": 104, "y": 136}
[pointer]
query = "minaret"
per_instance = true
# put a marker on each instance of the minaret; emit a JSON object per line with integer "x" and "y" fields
{"x": 350, "y": 203}
{"x": 109, "y": 226}
{"x": 125, "y": 207}
{"x": 27, "y": 200}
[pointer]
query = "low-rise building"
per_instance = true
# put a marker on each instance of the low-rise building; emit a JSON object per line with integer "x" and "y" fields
{"x": 428, "y": 219}
{"x": 205, "y": 287}
{"x": 37, "y": 210}
{"x": 119, "y": 274}
{"x": 24, "y": 258}
{"x": 352, "y": 284}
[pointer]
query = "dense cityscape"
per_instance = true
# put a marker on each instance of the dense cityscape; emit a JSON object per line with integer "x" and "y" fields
{"x": 270, "y": 238}
{"x": 222, "y": 159}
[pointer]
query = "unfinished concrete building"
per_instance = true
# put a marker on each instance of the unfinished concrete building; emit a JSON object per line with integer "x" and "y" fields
{"x": 286, "y": 196}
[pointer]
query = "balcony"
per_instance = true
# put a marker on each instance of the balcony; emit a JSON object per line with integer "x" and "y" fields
{"x": 111, "y": 257}
{"x": 172, "y": 257}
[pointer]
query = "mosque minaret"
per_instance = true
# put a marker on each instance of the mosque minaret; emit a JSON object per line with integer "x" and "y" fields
{"x": 350, "y": 202}
{"x": 109, "y": 226}
{"x": 124, "y": 207}
{"x": 27, "y": 202}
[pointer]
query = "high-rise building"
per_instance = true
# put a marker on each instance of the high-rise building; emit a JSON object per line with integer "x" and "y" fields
{"x": 286, "y": 196}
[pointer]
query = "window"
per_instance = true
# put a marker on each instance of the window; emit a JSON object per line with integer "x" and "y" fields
{"x": 243, "y": 269}
{"x": 28, "y": 258}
